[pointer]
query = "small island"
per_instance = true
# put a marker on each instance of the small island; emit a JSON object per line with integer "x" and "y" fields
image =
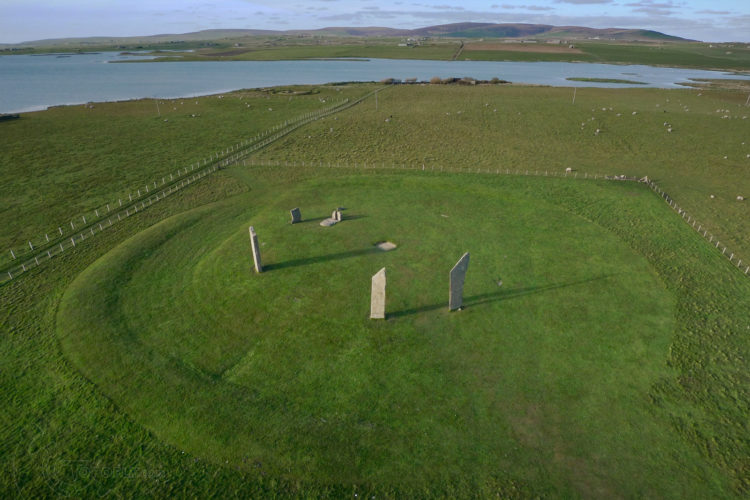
{"x": 604, "y": 80}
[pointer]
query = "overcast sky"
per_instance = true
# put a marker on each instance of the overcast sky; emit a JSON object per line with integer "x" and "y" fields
{"x": 25, "y": 20}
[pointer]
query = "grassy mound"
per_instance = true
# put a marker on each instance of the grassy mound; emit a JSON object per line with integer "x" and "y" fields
{"x": 284, "y": 372}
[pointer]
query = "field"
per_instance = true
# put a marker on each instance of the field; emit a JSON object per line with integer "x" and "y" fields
{"x": 733, "y": 57}
{"x": 602, "y": 351}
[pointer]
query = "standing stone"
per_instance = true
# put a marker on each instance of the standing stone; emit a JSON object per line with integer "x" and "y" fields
{"x": 256, "y": 250}
{"x": 457, "y": 277}
{"x": 336, "y": 215}
{"x": 377, "y": 297}
{"x": 296, "y": 215}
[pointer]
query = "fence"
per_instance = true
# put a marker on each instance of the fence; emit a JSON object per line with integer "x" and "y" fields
{"x": 44, "y": 249}
{"x": 24, "y": 259}
{"x": 732, "y": 256}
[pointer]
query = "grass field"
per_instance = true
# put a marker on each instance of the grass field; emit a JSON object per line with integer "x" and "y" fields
{"x": 693, "y": 55}
{"x": 540, "y": 129}
{"x": 610, "y": 363}
{"x": 683, "y": 54}
{"x": 114, "y": 148}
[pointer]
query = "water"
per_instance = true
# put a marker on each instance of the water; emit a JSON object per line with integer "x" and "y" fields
{"x": 30, "y": 82}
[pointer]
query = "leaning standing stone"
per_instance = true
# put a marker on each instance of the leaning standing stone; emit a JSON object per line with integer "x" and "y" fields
{"x": 457, "y": 277}
{"x": 256, "y": 250}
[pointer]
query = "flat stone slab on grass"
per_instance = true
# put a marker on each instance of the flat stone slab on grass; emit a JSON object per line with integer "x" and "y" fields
{"x": 385, "y": 245}
{"x": 328, "y": 222}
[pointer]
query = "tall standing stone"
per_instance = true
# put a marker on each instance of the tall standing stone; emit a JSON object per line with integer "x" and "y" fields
{"x": 458, "y": 276}
{"x": 256, "y": 250}
{"x": 377, "y": 297}
{"x": 296, "y": 215}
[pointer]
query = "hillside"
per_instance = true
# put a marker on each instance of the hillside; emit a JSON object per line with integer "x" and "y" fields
{"x": 457, "y": 30}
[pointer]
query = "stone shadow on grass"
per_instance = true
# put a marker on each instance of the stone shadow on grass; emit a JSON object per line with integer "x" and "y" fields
{"x": 318, "y": 219}
{"x": 312, "y": 219}
{"x": 485, "y": 298}
{"x": 320, "y": 258}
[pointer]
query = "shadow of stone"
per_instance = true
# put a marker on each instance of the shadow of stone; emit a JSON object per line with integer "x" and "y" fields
{"x": 312, "y": 219}
{"x": 319, "y": 259}
{"x": 486, "y": 298}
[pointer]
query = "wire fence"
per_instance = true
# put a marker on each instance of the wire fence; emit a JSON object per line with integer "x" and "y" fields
{"x": 701, "y": 229}
{"x": 41, "y": 250}
{"x": 66, "y": 236}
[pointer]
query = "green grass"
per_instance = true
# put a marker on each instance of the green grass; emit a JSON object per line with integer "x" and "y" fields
{"x": 51, "y": 176}
{"x": 285, "y": 369}
{"x": 150, "y": 361}
{"x": 518, "y": 56}
{"x": 389, "y": 50}
{"x": 523, "y": 128}
{"x": 694, "y": 55}
{"x": 674, "y": 54}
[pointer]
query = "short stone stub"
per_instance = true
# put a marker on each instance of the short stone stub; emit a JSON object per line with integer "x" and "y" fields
{"x": 296, "y": 215}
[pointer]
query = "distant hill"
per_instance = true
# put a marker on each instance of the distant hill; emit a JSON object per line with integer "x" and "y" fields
{"x": 457, "y": 30}
{"x": 488, "y": 30}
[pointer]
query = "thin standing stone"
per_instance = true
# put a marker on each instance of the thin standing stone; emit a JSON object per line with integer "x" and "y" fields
{"x": 296, "y": 215}
{"x": 256, "y": 250}
{"x": 377, "y": 296}
{"x": 457, "y": 278}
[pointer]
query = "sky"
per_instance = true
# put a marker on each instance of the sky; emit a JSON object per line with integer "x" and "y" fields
{"x": 26, "y": 20}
